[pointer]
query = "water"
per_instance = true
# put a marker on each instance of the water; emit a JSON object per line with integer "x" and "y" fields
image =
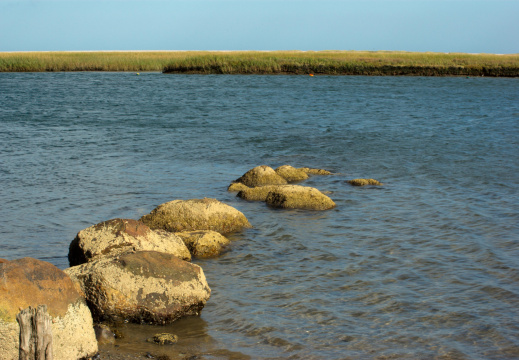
{"x": 424, "y": 267}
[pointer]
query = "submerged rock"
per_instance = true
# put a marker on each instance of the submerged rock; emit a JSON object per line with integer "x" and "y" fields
{"x": 261, "y": 175}
{"x": 299, "y": 197}
{"x": 291, "y": 174}
{"x": 237, "y": 187}
{"x": 315, "y": 171}
{"x": 145, "y": 286}
{"x": 122, "y": 235}
{"x": 204, "y": 243}
{"x": 196, "y": 214}
{"x": 30, "y": 282}
{"x": 104, "y": 334}
{"x": 163, "y": 339}
{"x": 363, "y": 182}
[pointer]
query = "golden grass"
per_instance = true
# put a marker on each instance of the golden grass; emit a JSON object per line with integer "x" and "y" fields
{"x": 267, "y": 62}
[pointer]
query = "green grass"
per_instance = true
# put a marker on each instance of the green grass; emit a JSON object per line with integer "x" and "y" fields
{"x": 266, "y": 62}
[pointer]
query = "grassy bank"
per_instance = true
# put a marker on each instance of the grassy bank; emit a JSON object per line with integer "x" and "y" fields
{"x": 265, "y": 62}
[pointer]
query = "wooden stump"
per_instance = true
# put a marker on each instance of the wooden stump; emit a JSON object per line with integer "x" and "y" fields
{"x": 35, "y": 334}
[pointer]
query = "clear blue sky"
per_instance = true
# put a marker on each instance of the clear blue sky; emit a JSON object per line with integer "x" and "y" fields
{"x": 475, "y": 26}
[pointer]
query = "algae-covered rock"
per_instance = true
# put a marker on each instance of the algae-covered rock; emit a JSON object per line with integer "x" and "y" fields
{"x": 163, "y": 339}
{"x": 196, "y": 214}
{"x": 237, "y": 187}
{"x": 261, "y": 175}
{"x": 291, "y": 174}
{"x": 122, "y": 235}
{"x": 145, "y": 286}
{"x": 29, "y": 282}
{"x": 258, "y": 193}
{"x": 204, "y": 243}
{"x": 299, "y": 197}
{"x": 311, "y": 171}
{"x": 363, "y": 182}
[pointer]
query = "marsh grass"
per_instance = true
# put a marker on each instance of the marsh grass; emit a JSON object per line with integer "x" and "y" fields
{"x": 268, "y": 62}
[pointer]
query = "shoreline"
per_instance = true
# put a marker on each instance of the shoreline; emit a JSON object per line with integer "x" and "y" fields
{"x": 371, "y": 63}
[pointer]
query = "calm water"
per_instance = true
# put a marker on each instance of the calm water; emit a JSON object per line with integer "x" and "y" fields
{"x": 426, "y": 266}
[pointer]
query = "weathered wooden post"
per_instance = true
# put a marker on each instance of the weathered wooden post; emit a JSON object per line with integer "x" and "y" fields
{"x": 35, "y": 334}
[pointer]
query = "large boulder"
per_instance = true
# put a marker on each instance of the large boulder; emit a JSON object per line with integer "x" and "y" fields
{"x": 204, "y": 243}
{"x": 299, "y": 197}
{"x": 364, "y": 182}
{"x": 291, "y": 174}
{"x": 30, "y": 282}
{"x": 261, "y": 175}
{"x": 122, "y": 235}
{"x": 196, "y": 214}
{"x": 142, "y": 287}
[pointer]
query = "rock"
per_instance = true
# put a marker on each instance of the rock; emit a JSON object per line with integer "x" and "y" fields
{"x": 299, "y": 197}
{"x": 163, "y": 339}
{"x": 363, "y": 182}
{"x": 291, "y": 174}
{"x": 30, "y": 282}
{"x": 204, "y": 243}
{"x": 104, "y": 334}
{"x": 315, "y": 171}
{"x": 261, "y": 175}
{"x": 258, "y": 193}
{"x": 237, "y": 187}
{"x": 196, "y": 214}
{"x": 122, "y": 235}
{"x": 142, "y": 287}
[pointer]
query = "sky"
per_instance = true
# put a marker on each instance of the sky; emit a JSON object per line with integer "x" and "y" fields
{"x": 471, "y": 26}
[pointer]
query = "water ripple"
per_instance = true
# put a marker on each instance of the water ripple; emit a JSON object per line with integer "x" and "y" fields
{"x": 422, "y": 267}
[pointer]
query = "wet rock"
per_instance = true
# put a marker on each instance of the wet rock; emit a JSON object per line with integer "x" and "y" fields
{"x": 310, "y": 171}
{"x": 142, "y": 287}
{"x": 261, "y": 175}
{"x": 291, "y": 174}
{"x": 117, "y": 236}
{"x": 30, "y": 282}
{"x": 299, "y": 197}
{"x": 196, "y": 214}
{"x": 258, "y": 193}
{"x": 163, "y": 339}
{"x": 364, "y": 182}
{"x": 204, "y": 243}
{"x": 104, "y": 334}
{"x": 237, "y": 187}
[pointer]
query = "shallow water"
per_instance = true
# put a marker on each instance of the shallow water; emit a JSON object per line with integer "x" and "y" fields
{"x": 422, "y": 267}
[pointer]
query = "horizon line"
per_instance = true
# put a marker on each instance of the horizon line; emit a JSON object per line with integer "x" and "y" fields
{"x": 293, "y": 50}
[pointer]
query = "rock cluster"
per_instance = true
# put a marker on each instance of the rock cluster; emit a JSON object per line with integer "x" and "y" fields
{"x": 138, "y": 270}
{"x": 263, "y": 183}
{"x": 121, "y": 270}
